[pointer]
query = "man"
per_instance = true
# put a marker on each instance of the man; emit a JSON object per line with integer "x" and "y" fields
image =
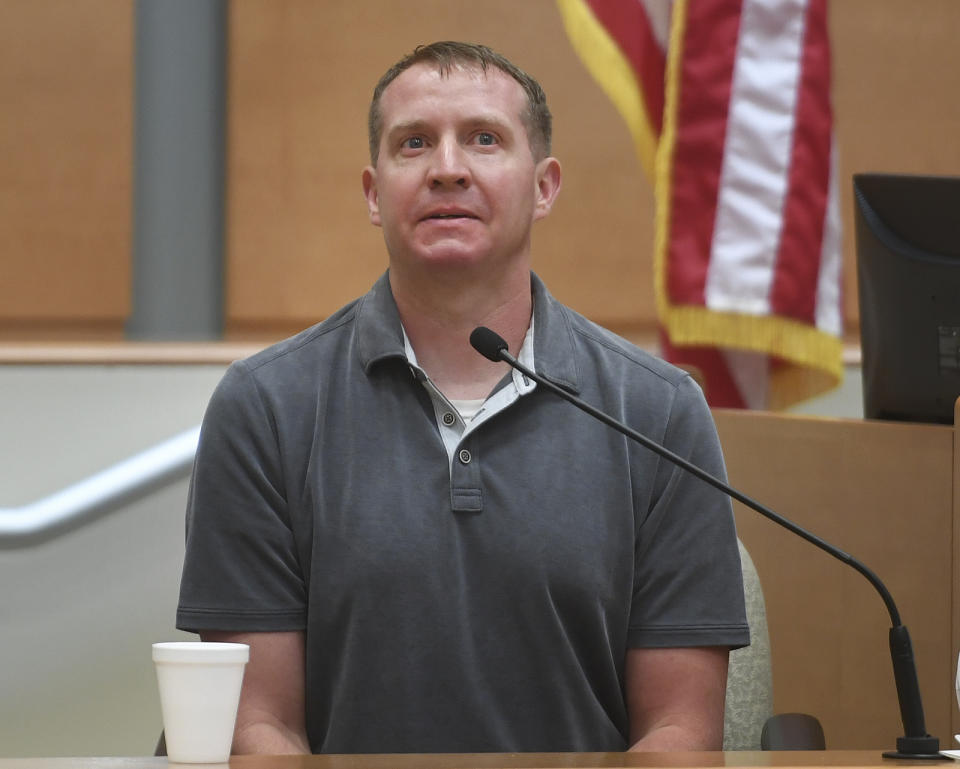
{"x": 424, "y": 551}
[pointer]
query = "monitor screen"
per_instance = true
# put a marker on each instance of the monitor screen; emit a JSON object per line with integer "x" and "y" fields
{"x": 908, "y": 274}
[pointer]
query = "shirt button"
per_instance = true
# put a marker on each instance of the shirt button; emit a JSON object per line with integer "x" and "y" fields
{"x": 449, "y": 419}
{"x": 465, "y": 456}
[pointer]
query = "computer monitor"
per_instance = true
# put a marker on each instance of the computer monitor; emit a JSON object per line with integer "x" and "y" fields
{"x": 908, "y": 273}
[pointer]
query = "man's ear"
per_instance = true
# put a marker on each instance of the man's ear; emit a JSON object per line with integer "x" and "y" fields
{"x": 548, "y": 186}
{"x": 370, "y": 194}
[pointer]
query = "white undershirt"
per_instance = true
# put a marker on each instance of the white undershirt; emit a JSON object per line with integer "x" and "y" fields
{"x": 468, "y": 408}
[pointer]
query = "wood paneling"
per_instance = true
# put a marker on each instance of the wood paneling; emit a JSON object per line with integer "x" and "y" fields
{"x": 896, "y": 71}
{"x": 66, "y": 80}
{"x": 882, "y": 492}
{"x": 301, "y": 75}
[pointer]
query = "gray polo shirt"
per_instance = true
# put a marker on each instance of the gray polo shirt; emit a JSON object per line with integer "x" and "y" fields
{"x": 480, "y": 604}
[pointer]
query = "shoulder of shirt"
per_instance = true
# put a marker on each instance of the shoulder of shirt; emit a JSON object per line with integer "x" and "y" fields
{"x": 618, "y": 350}
{"x": 306, "y": 342}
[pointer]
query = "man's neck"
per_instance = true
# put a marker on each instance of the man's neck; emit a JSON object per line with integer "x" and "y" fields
{"x": 439, "y": 318}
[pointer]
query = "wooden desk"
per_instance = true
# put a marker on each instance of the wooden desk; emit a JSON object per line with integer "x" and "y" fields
{"x": 888, "y": 494}
{"x": 862, "y": 759}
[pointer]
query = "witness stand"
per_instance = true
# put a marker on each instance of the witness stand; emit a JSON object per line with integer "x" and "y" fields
{"x": 887, "y": 493}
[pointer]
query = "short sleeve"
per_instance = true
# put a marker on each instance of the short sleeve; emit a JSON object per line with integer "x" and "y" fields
{"x": 688, "y": 588}
{"x": 241, "y": 571}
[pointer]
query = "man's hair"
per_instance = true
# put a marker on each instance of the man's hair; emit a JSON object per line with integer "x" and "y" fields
{"x": 447, "y": 55}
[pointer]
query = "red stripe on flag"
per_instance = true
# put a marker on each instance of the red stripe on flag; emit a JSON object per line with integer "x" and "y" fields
{"x": 627, "y": 24}
{"x": 794, "y": 290}
{"x": 709, "y": 52}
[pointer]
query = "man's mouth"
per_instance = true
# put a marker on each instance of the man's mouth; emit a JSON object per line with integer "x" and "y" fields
{"x": 450, "y": 215}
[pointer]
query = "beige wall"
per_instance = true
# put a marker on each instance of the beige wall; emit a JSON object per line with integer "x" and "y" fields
{"x": 300, "y": 73}
{"x": 78, "y": 612}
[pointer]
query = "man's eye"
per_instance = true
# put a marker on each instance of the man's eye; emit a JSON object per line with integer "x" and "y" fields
{"x": 486, "y": 139}
{"x": 414, "y": 143}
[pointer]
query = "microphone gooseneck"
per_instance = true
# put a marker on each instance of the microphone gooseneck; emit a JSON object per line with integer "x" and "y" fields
{"x": 916, "y": 744}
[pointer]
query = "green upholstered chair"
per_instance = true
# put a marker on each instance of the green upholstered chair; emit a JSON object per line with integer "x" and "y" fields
{"x": 749, "y": 722}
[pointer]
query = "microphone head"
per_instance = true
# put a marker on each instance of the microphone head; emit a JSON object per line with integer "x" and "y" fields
{"x": 488, "y": 343}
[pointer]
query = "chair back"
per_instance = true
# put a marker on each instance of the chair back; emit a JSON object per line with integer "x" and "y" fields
{"x": 749, "y": 675}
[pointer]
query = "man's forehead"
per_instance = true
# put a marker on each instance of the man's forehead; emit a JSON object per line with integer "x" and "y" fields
{"x": 447, "y": 69}
{"x": 430, "y": 76}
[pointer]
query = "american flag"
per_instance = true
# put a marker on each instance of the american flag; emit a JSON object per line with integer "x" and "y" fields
{"x": 728, "y": 102}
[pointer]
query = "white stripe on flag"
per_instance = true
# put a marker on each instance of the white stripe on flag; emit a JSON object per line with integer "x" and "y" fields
{"x": 751, "y": 373}
{"x": 829, "y": 310}
{"x": 658, "y": 14}
{"x": 756, "y": 164}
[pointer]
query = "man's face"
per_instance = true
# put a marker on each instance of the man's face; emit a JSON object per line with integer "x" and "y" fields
{"x": 455, "y": 183}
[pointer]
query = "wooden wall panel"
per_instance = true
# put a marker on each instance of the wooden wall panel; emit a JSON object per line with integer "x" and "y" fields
{"x": 882, "y": 492}
{"x": 301, "y": 74}
{"x": 66, "y": 85}
{"x": 896, "y": 75}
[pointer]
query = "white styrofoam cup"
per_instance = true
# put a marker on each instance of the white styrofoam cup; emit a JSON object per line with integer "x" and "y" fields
{"x": 199, "y": 686}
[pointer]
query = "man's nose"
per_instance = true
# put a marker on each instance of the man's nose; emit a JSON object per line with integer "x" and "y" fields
{"x": 450, "y": 165}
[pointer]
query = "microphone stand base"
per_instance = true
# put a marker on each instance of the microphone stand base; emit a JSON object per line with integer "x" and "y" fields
{"x": 916, "y": 748}
{"x": 914, "y": 756}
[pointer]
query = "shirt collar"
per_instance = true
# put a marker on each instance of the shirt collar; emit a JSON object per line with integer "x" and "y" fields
{"x": 379, "y": 334}
{"x": 555, "y": 346}
{"x": 548, "y": 348}
{"x": 525, "y": 356}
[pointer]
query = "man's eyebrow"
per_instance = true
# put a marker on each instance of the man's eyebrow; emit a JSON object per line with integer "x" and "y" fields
{"x": 493, "y": 120}
{"x": 408, "y": 126}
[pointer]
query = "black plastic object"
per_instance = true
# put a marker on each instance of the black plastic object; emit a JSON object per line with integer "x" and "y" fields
{"x": 908, "y": 272}
{"x": 792, "y": 731}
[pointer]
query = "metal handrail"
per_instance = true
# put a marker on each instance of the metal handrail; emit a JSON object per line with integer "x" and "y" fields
{"x": 99, "y": 494}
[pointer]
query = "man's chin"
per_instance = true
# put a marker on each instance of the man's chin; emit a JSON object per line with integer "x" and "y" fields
{"x": 452, "y": 255}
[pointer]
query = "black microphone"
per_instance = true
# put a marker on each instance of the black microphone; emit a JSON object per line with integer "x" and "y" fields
{"x": 916, "y": 744}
